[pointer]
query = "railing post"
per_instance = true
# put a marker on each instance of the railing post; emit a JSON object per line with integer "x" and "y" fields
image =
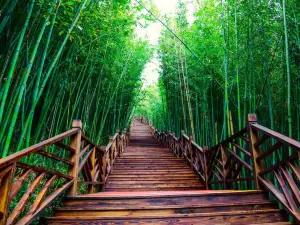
{"x": 205, "y": 150}
{"x": 118, "y": 145}
{"x": 168, "y": 139}
{"x": 5, "y": 189}
{"x": 181, "y": 144}
{"x": 255, "y": 150}
{"x": 111, "y": 150}
{"x": 91, "y": 187}
{"x": 190, "y": 153}
{"x": 224, "y": 161}
{"x": 75, "y": 144}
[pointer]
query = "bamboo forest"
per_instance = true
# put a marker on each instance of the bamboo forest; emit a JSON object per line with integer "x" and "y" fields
{"x": 215, "y": 81}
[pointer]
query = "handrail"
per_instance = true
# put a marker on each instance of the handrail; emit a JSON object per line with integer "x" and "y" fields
{"x": 242, "y": 162}
{"x": 32, "y": 188}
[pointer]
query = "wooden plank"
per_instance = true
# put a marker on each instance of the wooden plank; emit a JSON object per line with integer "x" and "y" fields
{"x": 5, "y": 171}
{"x": 84, "y": 160}
{"x": 261, "y": 140}
{"x": 27, "y": 151}
{"x": 295, "y": 169}
{"x": 273, "y": 148}
{"x": 66, "y": 147}
{"x": 74, "y": 170}
{"x": 240, "y": 148}
{"x": 279, "y": 196}
{"x": 18, "y": 183}
{"x": 280, "y": 137}
{"x": 291, "y": 183}
{"x": 52, "y": 156}
{"x": 286, "y": 192}
{"x": 84, "y": 150}
{"x": 43, "y": 170}
{"x": 239, "y": 159}
{"x": 48, "y": 200}
{"x": 277, "y": 165}
{"x": 25, "y": 198}
{"x": 39, "y": 198}
{"x": 5, "y": 191}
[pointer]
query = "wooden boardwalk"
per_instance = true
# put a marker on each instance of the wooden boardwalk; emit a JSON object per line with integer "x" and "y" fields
{"x": 148, "y": 185}
{"x": 148, "y": 166}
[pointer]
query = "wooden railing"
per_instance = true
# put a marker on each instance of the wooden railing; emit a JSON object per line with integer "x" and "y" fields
{"x": 184, "y": 146}
{"x": 281, "y": 177}
{"x": 74, "y": 165}
{"x": 242, "y": 161}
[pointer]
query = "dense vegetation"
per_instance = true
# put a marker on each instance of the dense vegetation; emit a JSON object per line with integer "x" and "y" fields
{"x": 237, "y": 57}
{"x": 61, "y": 60}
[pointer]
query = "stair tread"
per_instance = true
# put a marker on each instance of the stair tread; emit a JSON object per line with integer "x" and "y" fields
{"x": 140, "y": 207}
{"x": 165, "y": 193}
{"x": 201, "y": 214}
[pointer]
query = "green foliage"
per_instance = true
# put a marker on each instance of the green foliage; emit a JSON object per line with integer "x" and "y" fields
{"x": 243, "y": 47}
{"x": 87, "y": 65}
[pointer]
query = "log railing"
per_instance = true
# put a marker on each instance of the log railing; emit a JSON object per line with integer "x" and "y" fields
{"x": 74, "y": 165}
{"x": 244, "y": 161}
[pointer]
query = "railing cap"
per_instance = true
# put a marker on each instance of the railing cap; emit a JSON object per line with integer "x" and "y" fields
{"x": 252, "y": 118}
{"x": 77, "y": 124}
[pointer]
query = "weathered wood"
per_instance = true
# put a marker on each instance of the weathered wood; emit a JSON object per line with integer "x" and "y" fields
{"x": 292, "y": 184}
{"x": 280, "y": 137}
{"x": 18, "y": 155}
{"x": 255, "y": 151}
{"x": 25, "y": 198}
{"x": 18, "y": 183}
{"x": 42, "y": 170}
{"x": 75, "y": 144}
{"x": 273, "y": 148}
{"x": 5, "y": 192}
{"x": 39, "y": 198}
{"x": 48, "y": 200}
{"x": 66, "y": 147}
{"x": 52, "y": 156}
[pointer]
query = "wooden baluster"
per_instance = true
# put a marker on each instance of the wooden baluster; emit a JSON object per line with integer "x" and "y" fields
{"x": 118, "y": 143}
{"x": 110, "y": 151}
{"x": 224, "y": 162}
{"x": 75, "y": 144}
{"x": 181, "y": 143}
{"x": 174, "y": 144}
{"x": 255, "y": 150}
{"x": 169, "y": 139}
{"x": 91, "y": 187}
{"x": 6, "y": 183}
{"x": 205, "y": 151}
{"x": 190, "y": 150}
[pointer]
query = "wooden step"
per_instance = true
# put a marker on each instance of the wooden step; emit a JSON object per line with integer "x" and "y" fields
{"x": 169, "y": 198}
{"x": 153, "y": 181}
{"x": 166, "y": 212}
{"x": 149, "y": 188}
{"x": 232, "y": 218}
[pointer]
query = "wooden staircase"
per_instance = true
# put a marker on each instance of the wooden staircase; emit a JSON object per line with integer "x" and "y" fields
{"x": 149, "y": 185}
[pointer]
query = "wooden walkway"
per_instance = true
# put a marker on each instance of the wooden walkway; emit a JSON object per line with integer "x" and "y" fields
{"x": 148, "y": 166}
{"x": 148, "y": 185}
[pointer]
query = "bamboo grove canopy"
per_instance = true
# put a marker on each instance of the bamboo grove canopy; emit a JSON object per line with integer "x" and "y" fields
{"x": 243, "y": 57}
{"x": 62, "y": 60}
